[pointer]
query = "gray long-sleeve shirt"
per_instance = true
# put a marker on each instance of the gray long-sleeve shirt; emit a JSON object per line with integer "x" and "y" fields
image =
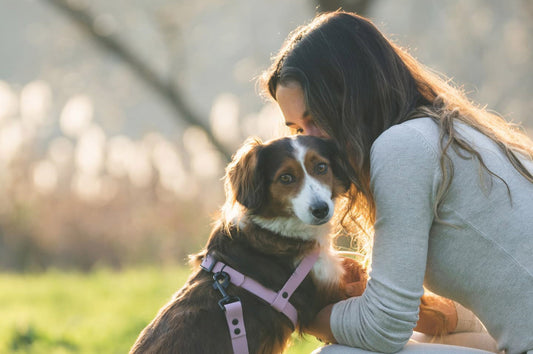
{"x": 484, "y": 261}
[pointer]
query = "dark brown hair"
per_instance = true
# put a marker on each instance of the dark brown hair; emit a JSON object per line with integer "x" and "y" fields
{"x": 357, "y": 84}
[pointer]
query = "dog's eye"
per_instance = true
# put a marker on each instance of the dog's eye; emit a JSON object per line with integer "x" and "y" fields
{"x": 286, "y": 178}
{"x": 321, "y": 168}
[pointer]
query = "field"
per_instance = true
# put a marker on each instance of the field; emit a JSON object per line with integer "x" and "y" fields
{"x": 98, "y": 312}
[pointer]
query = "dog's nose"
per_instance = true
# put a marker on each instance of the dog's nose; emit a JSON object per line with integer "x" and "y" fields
{"x": 320, "y": 210}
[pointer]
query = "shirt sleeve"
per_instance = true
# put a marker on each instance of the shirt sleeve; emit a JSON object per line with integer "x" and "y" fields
{"x": 404, "y": 175}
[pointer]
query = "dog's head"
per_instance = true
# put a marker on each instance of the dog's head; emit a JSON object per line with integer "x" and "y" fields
{"x": 295, "y": 177}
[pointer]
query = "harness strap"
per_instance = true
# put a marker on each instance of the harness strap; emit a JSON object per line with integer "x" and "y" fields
{"x": 235, "y": 320}
{"x": 279, "y": 300}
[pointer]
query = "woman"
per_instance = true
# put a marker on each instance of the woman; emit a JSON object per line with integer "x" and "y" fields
{"x": 446, "y": 187}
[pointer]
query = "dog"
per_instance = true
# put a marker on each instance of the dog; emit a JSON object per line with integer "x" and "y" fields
{"x": 280, "y": 199}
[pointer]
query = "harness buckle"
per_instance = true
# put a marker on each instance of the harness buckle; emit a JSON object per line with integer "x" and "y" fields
{"x": 208, "y": 263}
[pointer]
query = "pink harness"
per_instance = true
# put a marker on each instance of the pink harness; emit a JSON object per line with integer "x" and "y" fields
{"x": 232, "y": 306}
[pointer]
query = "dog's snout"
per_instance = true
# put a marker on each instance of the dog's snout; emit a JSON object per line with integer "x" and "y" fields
{"x": 320, "y": 210}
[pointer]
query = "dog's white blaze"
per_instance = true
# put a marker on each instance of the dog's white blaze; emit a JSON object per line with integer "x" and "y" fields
{"x": 328, "y": 269}
{"x": 312, "y": 191}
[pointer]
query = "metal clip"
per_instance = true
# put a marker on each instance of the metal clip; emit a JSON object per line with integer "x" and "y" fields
{"x": 221, "y": 279}
{"x": 221, "y": 282}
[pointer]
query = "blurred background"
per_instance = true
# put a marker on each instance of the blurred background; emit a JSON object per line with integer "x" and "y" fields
{"x": 118, "y": 117}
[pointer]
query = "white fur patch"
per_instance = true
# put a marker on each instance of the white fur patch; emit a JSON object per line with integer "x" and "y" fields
{"x": 292, "y": 227}
{"x": 328, "y": 270}
{"x": 312, "y": 192}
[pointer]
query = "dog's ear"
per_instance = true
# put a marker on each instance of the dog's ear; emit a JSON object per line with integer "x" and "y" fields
{"x": 244, "y": 182}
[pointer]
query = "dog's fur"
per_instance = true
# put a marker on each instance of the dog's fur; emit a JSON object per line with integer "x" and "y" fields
{"x": 279, "y": 200}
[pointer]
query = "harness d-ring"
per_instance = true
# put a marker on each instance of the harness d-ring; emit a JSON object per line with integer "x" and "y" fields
{"x": 232, "y": 307}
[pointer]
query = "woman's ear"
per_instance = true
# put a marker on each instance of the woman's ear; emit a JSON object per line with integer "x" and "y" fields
{"x": 243, "y": 182}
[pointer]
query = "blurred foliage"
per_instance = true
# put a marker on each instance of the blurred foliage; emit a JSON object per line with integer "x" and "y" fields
{"x": 125, "y": 226}
{"x": 63, "y": 231}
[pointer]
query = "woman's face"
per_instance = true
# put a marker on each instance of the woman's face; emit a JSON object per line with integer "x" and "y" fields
{"x": 290, "y": 98}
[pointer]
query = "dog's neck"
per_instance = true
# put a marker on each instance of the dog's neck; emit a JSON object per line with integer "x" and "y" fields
{"x": 328, "y": 269}
{"x": 291, "y": 227}
{"x": 266, "y": 238}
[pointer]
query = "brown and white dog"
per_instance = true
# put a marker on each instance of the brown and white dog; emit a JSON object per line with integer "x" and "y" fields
{"x": 280, "y": 197}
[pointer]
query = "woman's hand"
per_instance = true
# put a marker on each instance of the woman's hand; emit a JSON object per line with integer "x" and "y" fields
{"x": 320, "y": 327}
{"x": 355, "y": 277}
{"x": 438, "y": 315}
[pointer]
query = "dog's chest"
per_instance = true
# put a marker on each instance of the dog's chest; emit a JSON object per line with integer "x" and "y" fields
{"x": 327, "y": 270}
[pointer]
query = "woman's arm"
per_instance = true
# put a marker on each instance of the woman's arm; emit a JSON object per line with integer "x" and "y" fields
{"x": 320, "y": 328}
{"x": 438, "y": 316}
{"x": 404, "y": 178}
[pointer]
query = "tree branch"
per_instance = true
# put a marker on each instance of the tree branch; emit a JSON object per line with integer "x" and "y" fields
{"x": 113, "y": 45}
{"x": 358, "y": 6}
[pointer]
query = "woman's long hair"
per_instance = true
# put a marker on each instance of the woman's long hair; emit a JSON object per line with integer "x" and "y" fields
{"x": 357, "y": 84}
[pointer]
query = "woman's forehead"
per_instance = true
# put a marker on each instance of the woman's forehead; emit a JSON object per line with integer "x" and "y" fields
{"x": 290, "y": 90}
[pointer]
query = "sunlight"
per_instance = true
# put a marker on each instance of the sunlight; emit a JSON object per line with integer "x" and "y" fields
{"x": 168, "y": 163}
{"x": 86, "y": 187}
{"x": 11, "y": 139}
{"x": 45, "y": 176}
{"x": 61, "y": 151}
{"x": 118, "y": 154}
{"x": 205, "y": 160}
{"x": 139, "y": 166}
{"x": 35, "y": 101}
{"x": 224, "y": 119}
{"x": 267, "y": 123}
{"x": 76, "y": 115}
{"x": 89, "y": 154}
{"x": 126, "y": 158}
{"x": 8, "y": 100}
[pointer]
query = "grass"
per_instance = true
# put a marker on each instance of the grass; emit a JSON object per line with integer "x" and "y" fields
{"x": 98, "y": 312}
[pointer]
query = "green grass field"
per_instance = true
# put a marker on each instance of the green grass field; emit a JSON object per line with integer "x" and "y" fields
{"x": 99, "y": 312}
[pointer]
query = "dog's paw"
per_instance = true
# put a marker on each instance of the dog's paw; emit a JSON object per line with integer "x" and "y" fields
{"x": 355, "y": 277}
